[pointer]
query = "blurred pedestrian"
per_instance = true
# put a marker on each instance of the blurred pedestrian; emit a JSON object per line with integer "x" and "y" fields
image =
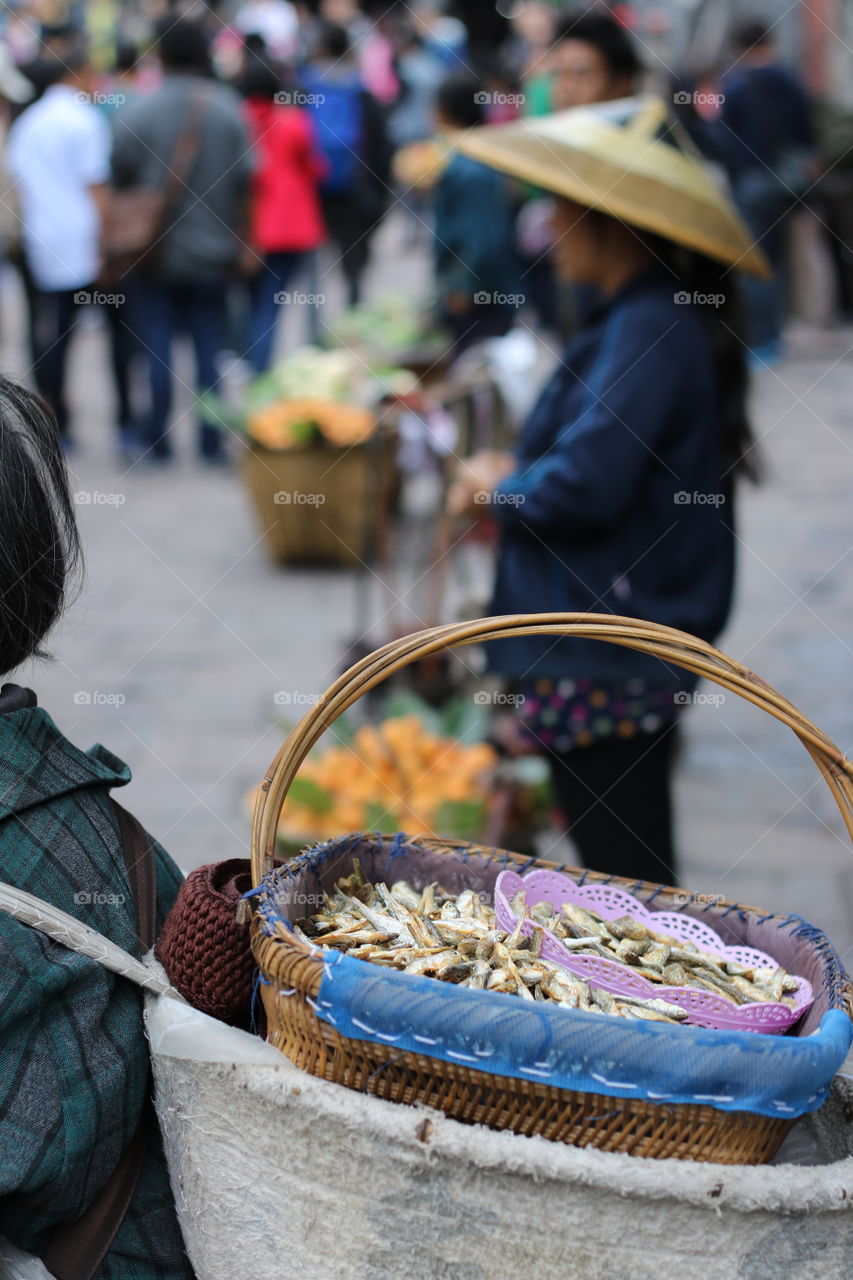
{"x": 593, "y": 59}
{"x": 476, "y": 269}
{"x": 286, "y": 217}
{"x": 769, "y": 147}
{"x": 59, "y": 157}
{"x": 420, "y": 70}
{"x": 15, "y": 92}
{"x": 528, "y": 53}
{"x": 120, "y": 89}
{"x": 352, "y": 138}
{"x": 275, "y": 20}
{"x": 620, "y": 496}
{"x": 442, "y": 34}
{"x": 193, "y": 122}
{"x": 122, "y": 83}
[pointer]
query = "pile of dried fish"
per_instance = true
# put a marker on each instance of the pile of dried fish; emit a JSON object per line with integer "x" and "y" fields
{"x": 455, "y": 939}
{"x": 672, "y": 962}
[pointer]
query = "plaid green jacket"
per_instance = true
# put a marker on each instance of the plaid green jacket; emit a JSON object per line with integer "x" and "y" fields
{"x": 73, "y": 1055}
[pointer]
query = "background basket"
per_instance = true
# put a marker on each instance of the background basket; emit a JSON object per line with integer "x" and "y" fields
{"x": 320, "y": 505}
{"x": 292, "y": 976}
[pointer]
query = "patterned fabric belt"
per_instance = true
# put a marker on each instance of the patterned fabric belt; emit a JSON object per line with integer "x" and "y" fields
{"x": 570, "y": 713}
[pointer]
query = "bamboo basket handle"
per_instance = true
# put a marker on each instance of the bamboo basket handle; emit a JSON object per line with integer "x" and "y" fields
{"x": 677, "y": 647}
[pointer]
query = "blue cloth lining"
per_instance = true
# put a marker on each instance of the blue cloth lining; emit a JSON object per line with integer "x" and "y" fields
{"x": 502, "y": 1035}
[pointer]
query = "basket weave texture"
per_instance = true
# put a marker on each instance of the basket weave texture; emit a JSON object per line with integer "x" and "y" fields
{"x": 319, "y": 505}
{"x": 291, "y": 976}
{"x": 291, "y": 982}
{"x": 202, "y": 947}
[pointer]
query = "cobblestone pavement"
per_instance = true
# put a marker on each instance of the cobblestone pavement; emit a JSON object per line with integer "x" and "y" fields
{"x": 184, "y": 633}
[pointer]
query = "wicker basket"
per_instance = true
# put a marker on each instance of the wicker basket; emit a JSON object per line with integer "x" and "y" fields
{"x": 320, "y": 505}
{"x": 684, "y": 1131}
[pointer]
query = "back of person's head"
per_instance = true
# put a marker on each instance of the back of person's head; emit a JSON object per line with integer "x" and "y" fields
{"x": 606, "y": 35}
{"x": 255, "y": 45}
{"x": 183, "y": 46}
{"x": 38, "y": 531}
{"x": 126, "y": 57}
{"x": 69, "y": 64}
{"x": 258, "y": 79}
{"x": 460, "y": 100}
{"x": 58, "y": 37}
{"x": 331, "y": 42}
{"x": 750, "y": 34}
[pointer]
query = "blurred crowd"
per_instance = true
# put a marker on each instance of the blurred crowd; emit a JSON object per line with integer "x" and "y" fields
{"x": 230, "y": 144}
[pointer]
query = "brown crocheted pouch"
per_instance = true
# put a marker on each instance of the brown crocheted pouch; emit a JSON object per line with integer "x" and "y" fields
{"x": 205, "y": 952}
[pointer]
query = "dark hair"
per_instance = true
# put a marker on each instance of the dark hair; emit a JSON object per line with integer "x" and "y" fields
{"x": 604, "y": 34}
{"x": 127, "y": 56}
{"x": 38, "y": 531}
{"x": 331, "y": 41}
{"x": 182, "y": 45}
{"x": 254, "y": 43}
{"x": 69, "y": 62}
{"x": 751, "y": 34}
{"x": 258, "y": 79}
{"x": 698, "y": 274}
{"x": 459, "y": 100}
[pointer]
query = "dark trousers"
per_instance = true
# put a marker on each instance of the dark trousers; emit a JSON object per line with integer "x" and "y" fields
{"x": 124, "y": 350}
{"x": 349, "y": 230}
{"x": 53, "y": 316}
{"x": 161, "y": 312}
{"x": 616, "y": 800}
{"x": 267, "y": 300}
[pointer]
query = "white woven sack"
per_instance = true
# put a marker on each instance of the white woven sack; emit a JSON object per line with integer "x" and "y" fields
{"x": 278, "y": 1173}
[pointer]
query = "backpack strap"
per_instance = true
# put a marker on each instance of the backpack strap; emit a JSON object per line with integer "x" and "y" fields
{"x": 77, "y": 1249}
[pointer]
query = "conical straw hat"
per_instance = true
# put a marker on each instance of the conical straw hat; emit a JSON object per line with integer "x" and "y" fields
{"x": 630, "y": 159}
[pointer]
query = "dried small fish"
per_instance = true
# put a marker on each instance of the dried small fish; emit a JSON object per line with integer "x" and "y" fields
{"x": 403, "y": 893}
{"x": 664, "y": 1007}
{"x": 625, "y": 927}
{"x": 454, "y": 938}
{"x": 657, "y": 956}
{"x": 630, "y": 952}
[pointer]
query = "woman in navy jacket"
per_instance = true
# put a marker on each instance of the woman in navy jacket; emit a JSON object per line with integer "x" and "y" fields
{"x": 619, "y": 499}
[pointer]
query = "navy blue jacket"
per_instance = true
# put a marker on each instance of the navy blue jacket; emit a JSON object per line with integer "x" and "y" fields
{"x": 766, "y": 113}
{"x": 617, "y": 504}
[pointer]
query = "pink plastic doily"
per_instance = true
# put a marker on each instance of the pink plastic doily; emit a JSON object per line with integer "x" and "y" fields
{"x": 705, "y": 1008}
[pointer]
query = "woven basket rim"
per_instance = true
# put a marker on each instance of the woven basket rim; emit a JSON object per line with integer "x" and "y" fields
{"x": 268, "y": 924}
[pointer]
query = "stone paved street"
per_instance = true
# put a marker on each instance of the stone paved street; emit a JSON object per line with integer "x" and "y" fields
{"x": 183, "y": 618}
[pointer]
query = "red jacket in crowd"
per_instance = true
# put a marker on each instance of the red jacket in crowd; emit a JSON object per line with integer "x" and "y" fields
{"x": 286, "y": 212}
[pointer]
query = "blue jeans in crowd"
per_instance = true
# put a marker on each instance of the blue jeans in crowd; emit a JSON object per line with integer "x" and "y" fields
{"x": 268, "y": 290}
{"x": 161, "y": 311}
